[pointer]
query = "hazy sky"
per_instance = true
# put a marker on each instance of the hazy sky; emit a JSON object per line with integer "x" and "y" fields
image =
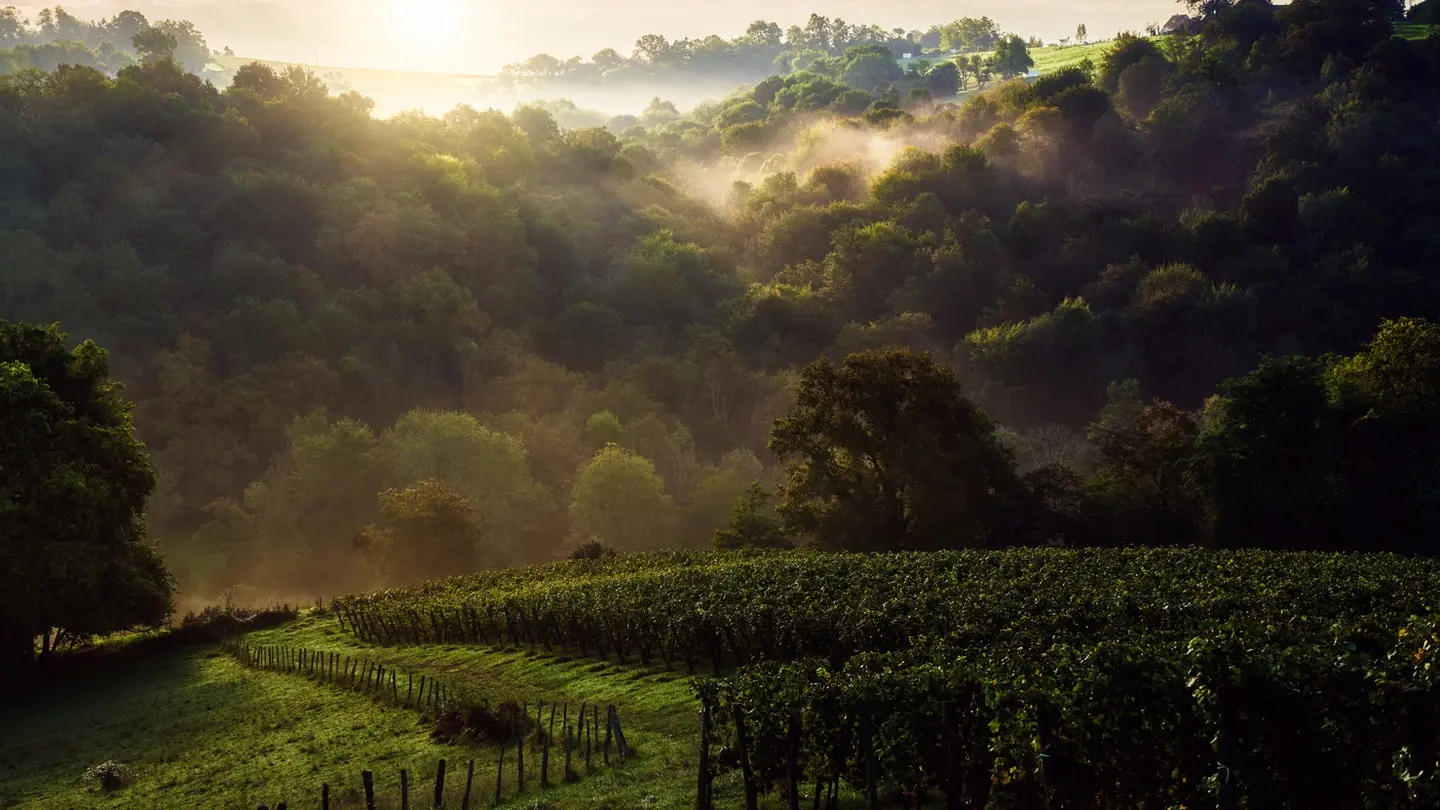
{"x": 481, "y": 35}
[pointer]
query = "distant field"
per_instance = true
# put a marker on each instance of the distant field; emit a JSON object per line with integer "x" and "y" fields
{"x": 1415, "y": 30}
{"x": 1053, "y": 58}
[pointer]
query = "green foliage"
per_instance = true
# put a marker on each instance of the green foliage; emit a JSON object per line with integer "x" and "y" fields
{"x": 73, "y": 486}
{"x": 109, "y": 775}
{"x": 969, "y": 34}
{"x": 488, "y": 469}
{"x": 427, "y": 531}
{"x": 885, "y": 452}
{"x": 620, "y": 502}
{"x": 751, "y": 524}
{"x": 1012, "y": 57}
{"x": 271, "y": 250}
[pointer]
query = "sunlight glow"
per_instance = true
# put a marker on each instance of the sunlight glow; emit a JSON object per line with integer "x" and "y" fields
{"x": 429, "y": 28}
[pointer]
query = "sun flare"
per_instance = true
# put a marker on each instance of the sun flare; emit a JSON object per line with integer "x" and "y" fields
{"x": 428, "y": 23}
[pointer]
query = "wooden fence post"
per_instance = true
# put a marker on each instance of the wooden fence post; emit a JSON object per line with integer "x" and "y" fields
{"x": 569, "y": 749}
{"x": 954, "y": 759}
{"x": 752, "y": 798}
{"x": 404, "y": 790}
{"x": 439, "y": 786}
{"x": 369, "y": 780}
{"x": 520, "y": 745}
{"x": 620, "y": 742}
{"x": 500, "y": 773}
{"x": 702, "y": 781}
{"x": 580, "y": 728}
{"x": 590, "y": 734}
{"x": 469, "y": 779}
{"x": 609, "y": 727}
{"x": 545, "y": 752}
{"x": 324, "y": 796}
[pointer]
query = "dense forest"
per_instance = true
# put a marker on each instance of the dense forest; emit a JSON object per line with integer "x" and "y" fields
{"x": 764, "y": 49}
{"x": 341, "y": 332}
{"x": 55, "y": 37}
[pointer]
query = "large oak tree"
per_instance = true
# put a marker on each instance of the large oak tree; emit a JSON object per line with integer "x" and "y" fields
{"x": 74, "y": 556}
{"x": 887, "y": 453}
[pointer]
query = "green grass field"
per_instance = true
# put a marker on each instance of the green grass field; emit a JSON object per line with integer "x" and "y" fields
{"x": 1415, "y": 30}
{"x": 1052, "y": 58}
{"x": 200, "y": 730}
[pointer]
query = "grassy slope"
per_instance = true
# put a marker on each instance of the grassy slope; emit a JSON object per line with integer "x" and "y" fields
{"x": 200, "y": 730}
{"x": 1052, "y": 58}
{"x": 1415, "y": 30}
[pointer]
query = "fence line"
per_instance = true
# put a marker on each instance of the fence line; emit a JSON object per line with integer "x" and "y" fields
{"x": 579, "y": 736}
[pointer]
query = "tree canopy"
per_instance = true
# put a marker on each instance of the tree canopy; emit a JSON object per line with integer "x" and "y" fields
{"x": 75, "y": 559}
{"x": 311, "y": 305}
{"x": 889, "y": 454}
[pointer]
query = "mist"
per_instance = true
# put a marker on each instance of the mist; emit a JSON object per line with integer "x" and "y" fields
{"x": 480, "y": 36}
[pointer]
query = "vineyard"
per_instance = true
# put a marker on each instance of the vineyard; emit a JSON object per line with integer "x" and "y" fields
{"x": 1036, "y": 678}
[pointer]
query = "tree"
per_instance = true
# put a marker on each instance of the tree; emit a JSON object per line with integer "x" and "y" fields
{"x": 125, "y": 25}
{"x": 1268, "y": 459}
{"x": 969, "y": 34}
{"x": 1143, "y": 490}
{"x": 751, "y": 523}
{"x": 1081, "y": 35}
{"x": 154, "y": 44}
{"x": 711, "y": 501}
{"x": 608, "y": 59}
{"x": 427, "y": 531}
{"x": 191, "y": 51}
{"x": 74, "y": 556}
{"x": 620, "y": 502}
{"x": 488, "y": 468}
{"x": 653, "y": 49}
{"x": 885, "y": 452}
{"x": 945, "y": 79}
{"x": 1125, "y": 51}
{"x": 1012, "y": 57}
{"x": 870, "y": 68}
{"x": 764, "y": 32}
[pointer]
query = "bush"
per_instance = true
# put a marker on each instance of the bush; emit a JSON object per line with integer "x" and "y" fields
{"x": 109, "y": 775}
{"x": 482, "y": 724}
{"x": 593, "y": 550}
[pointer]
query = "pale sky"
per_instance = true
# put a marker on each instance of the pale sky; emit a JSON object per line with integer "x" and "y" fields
{"x": 478, "y": 36}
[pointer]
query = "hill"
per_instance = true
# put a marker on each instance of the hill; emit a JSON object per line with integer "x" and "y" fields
{"x": 1122, "y": 635}
{"x": 197, "y": 727}
{"x": 1053, "y": 58}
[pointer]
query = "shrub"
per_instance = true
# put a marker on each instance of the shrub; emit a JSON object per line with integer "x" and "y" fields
{"x": 593, "y": 550}
{"x": 109, "y": 775}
